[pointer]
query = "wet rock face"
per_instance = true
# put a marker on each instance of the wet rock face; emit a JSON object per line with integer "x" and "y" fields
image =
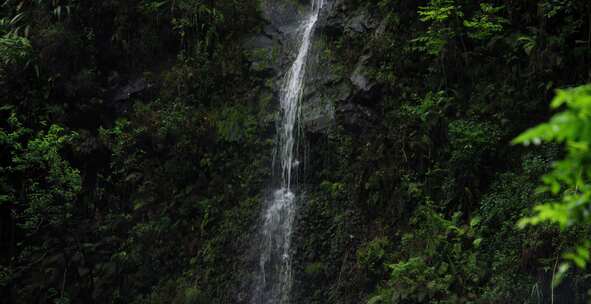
{"x": 283, "y": 14}
{"x": 359, "y": 89}
{"x": 359, "y": 78}
{"x": 361, "y": 22}
{"x": 334, "y": 93}
{"x": 328, "y": 87}
{"x": 266, "y": 50}
{"x": 318, "y": 115}
{"x": 133, "y": 87}
{"x": 367, "y": 89}
{"x": 332, "y": 21}
{"x": 351, "y": 91}
{"x": 356, "y": 118}
{"x": 355, "y": 112}
{"x": 271, "y": 52}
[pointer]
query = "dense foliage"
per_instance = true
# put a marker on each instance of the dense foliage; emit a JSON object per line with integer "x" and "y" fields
{"x": 136, "y": 144}
{"x": 429, "y": 186}
{"x": 118, "y": 140}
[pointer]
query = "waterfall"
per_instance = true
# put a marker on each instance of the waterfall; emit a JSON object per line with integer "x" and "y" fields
{"x": 274, "y": 277}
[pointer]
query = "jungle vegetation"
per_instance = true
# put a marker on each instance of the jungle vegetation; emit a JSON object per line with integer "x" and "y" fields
{"x": 136, "y": 140}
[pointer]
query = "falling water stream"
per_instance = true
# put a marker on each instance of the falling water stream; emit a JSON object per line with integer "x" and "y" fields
{"x": 274, "y": 277}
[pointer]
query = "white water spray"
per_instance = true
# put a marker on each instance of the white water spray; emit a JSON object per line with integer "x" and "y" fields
{"x": 274, "y": 277}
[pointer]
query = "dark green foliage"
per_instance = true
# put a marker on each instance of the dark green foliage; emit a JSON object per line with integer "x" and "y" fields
{"x": 568, "y": 181}
{"x": 40, "y": 188}
{"x": 443, "y": 264}
{"x": 152, "y": 195}
{"x": 436, "y": 175}
{"x": 372, "y": 255}
{"x": 133, "y": 199}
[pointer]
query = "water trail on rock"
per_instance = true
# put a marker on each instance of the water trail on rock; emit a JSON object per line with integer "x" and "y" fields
{"x": 274, "y": 278}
